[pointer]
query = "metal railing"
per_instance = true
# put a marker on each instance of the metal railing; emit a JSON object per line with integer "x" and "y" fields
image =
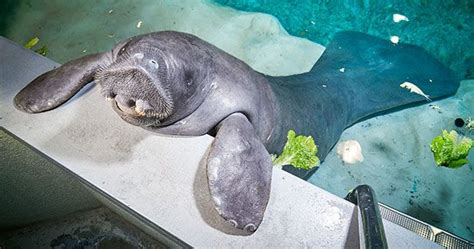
{"x": 372, "y": 226}
{"x": 370, "y": 222}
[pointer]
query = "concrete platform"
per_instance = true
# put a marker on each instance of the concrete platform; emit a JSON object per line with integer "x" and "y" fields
{"x": 159, "y": 182}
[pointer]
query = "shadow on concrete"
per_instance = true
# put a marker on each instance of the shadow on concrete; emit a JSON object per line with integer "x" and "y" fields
{"x": 91, "y": 134}
{"x": 205, "y": 203}
{"x": 353, "y": 240}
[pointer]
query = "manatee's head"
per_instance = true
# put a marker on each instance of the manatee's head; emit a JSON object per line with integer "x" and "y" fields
{"x": 135, "y": 84}
{"x": 155, "y": 80}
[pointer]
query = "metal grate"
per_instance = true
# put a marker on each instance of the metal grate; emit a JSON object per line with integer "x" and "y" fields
{"x": 423, "y": 229}
{"x": 405, "y": 221}
{"x": 449, "y": 241}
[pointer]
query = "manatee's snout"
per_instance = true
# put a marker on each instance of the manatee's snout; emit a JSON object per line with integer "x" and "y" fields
{"x": 134, "y": 85}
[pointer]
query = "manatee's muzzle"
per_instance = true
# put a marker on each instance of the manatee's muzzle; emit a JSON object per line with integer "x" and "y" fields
{"x": 136, "y": 94}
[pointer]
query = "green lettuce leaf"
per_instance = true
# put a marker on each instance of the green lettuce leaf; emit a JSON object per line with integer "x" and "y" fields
{"x": 31, "y": 43}
{"x": 450, "y": 150}
{"x": 42, "y": 51}
{"x": 299, "y": 151}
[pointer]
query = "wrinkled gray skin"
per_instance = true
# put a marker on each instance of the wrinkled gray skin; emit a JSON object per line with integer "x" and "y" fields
{"x": 175, "y": 83}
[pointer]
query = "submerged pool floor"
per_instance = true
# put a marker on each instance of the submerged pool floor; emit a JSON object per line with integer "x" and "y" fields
{"x": 398, "y": 162}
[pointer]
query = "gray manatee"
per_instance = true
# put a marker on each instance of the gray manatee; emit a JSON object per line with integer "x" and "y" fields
{"x": 175, "y": 83}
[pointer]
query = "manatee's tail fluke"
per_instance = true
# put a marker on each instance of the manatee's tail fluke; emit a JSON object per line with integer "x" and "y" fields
{"x": 370, "y": 70}
{"x": 357, "y": 76}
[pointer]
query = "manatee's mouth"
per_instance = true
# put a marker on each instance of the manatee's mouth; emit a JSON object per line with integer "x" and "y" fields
{"x": 137, "y": 119}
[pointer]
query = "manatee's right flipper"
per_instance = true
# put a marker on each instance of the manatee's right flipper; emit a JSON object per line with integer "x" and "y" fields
{"x": 239, "y": 172}
{"x": 55, "y": 87}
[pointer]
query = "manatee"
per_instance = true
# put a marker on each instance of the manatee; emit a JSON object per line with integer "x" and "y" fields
{"x": 175, "y": 83}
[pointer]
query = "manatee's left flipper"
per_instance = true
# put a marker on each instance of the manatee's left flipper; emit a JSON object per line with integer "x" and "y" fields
{"x": 55, "y": 87}
{"x": 239, "y": 171}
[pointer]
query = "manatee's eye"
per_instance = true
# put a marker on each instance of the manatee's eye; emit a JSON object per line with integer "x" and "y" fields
{"x": 188, "y": 78}
{"x": 154, "y": 63}
{"x": 121, "y": 51}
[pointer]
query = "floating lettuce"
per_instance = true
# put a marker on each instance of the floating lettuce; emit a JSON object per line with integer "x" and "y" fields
{"x": 299, "y": 151}
{"x": 31, "y": 43}
{"x": 450, "y": 150}
{"x": 42, "y": 51}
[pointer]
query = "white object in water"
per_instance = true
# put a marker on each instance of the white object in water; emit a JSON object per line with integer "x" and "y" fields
{"x": 350, "y": 151}
{"x": 435, "y": 107}
{"x": 342, "y": 69}
{"x": 399, "y": 17}
{"x": 414, "y": 89}
{"x": 394, "y": 39}
{"x": 139, "y": 24}
{"x": 470, "y": 124}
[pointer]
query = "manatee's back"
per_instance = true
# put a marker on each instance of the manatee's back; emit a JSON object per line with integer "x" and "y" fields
{"x": 357, "y": 76}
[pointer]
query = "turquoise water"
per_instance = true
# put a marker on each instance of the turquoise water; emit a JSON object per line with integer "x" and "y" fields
{"x": 401, "y": 172}
{"x": 444, "y": 28}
